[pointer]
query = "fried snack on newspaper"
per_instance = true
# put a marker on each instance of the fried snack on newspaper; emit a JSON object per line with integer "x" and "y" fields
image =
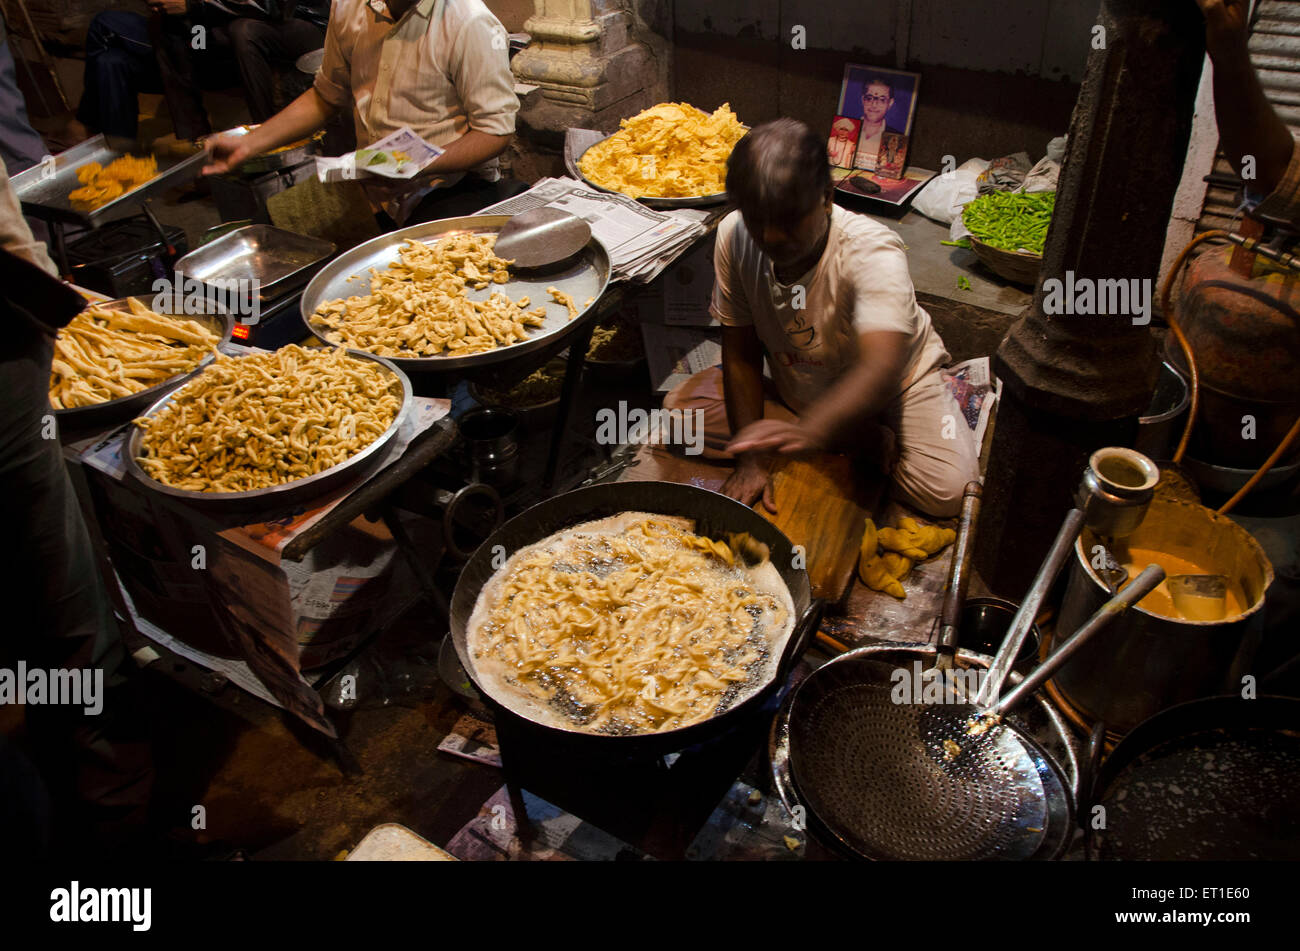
{"x": 104, "y": 354}
{"x": 253, "y": 422}
{"x": 671, "y": 150}
{"x": 420, "y": 306}
{"x": 104, "y": 183}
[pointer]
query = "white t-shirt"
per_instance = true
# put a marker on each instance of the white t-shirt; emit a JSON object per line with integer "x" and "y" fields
{"x": 861, "y": 284}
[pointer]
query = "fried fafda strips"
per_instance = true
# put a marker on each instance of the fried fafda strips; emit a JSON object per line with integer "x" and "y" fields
{"x": 420, "y": 307}
{"x": 103, "y": 354}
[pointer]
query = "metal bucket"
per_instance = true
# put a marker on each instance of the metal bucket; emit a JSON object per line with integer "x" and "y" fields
{"x": 1146, "y": 662}
{"x": 1160, "y": 426}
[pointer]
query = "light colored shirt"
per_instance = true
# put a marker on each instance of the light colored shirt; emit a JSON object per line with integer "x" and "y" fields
{"x": 442, "y": 69}
{"x": 859, "y": 285}
{"x": 15, "y": 236}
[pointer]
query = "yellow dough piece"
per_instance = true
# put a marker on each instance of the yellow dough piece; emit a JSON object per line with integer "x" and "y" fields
{"x": 877, "y": 577}
{"x": 869, "y": 540}
{"x": 914, "y": 540}
{"x": 896, "y": 564}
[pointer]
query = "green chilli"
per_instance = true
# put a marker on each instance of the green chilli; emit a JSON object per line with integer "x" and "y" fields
{"x": 1011, "y": 221}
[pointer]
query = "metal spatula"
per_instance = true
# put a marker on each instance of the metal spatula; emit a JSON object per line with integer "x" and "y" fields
{"x": 541, "y": 237}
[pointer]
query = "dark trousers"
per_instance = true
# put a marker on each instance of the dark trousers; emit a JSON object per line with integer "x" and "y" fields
{"x": 20, "y": 146}
{"x": 97, "y": 768}
{"x": 467, "y": 197}
{"x": 256, "y": 47}
{"x": 120, "y": 64}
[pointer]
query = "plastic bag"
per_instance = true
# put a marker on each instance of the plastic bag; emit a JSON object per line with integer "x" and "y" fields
{"x": 943, "y": 197}
{"x": 1005, "y": 174}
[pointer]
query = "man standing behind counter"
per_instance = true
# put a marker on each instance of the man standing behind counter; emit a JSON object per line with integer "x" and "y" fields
{"x": 826, "y": 297}
{"x": 440, "y": 67}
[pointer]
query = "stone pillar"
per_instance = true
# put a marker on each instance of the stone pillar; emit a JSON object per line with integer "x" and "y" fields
{"x": 1073, "y": 383}
{"x": 595, "y": 61}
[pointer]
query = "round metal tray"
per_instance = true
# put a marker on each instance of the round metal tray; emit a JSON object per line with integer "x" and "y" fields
{"x": 584, "y": 276}
{"x": 114, "y": 412}
{"x": 287, "y": 493}
{"x": 693, "y": 201}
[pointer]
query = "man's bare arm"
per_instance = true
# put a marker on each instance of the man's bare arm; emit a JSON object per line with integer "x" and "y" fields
{"x": 861, "y": 393}
{"x": 295, "y": 121}
{"x": 742, "y": 376}
{"x": 864, "y": 390}
{"x": 1248, "y": 124}
{"x": 469, "y": 151}
{"x": 742, "y": 387}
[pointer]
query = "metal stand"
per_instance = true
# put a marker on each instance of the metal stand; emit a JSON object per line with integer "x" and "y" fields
{"x": 572, "y": 376}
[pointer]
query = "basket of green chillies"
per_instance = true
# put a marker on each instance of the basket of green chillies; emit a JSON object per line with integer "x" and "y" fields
{"x": 1008, "y": 230}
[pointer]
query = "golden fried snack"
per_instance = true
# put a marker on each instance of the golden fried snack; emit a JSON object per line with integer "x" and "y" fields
{"x": 671, "y": 150}
{"x": 103, "y": 354}
{"x": 253, "y": 422}
{"x": 420, "y": 306}
{"x": 630, "y": 624}
{"x": 104, "y": 183}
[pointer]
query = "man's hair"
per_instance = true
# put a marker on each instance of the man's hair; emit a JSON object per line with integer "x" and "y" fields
{"x": 877, "y": 81}
{"x": 778, "y": 172}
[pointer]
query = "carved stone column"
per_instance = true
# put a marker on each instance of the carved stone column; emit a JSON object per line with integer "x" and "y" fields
{"x": 595, "y": 61}
{"x": 1075, "y": 383}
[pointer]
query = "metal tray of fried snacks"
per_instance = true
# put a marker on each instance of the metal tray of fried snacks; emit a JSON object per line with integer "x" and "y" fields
{"x": 583, "y": 278}
{"x": 116, "y": 411}
{"x": 271, "y": 259}
{"x": 43, "y": 189}
{"x": 653, "y": 201}
{"x": 286, "y": 495}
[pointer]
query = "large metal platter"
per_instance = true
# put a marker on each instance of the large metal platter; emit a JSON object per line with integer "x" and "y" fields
{"x": 117, "y": 411}
{"x": 287, "y": 494}
{"x": 693, "y": 201}
{"x": 586, "y": 276}
{"x": 276, "y": 259}
{"x": 43, "y": 189}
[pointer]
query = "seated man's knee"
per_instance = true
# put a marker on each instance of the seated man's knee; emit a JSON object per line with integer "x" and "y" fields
{"x": 247, "y": 35}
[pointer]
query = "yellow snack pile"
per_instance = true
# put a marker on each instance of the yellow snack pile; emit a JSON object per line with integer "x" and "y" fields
{"x": 419, "y": 306}
{"x": 103, "y": 184}
{"x": 671, "y": 150}
{"x": 252, "y": 422}
{"x": 103, "y": 354}
{"x": 902, "y": 547}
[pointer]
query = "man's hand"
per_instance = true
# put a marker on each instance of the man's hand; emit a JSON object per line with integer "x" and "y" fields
{"x": 170, "y": 7}
{"x": 776, "y": 435}
{"x": 1226, "y": 24}
{"x": 226, "y": 153}
{"x": 751, "y": 479}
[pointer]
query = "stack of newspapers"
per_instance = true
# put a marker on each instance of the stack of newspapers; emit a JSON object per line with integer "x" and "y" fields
{"x": 641, "y": 241}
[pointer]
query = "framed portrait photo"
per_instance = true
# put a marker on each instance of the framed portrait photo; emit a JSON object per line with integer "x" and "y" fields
{"x": 843, "y": 141}
{"x": 883, "y": 101}
{"x": 892, "y": 158}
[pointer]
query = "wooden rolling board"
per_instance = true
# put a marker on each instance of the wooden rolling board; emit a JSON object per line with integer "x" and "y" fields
{"x": 821, "y": 505}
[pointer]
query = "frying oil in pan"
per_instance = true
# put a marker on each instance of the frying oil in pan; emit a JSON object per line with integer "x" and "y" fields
{"x": 1217, "y": 794}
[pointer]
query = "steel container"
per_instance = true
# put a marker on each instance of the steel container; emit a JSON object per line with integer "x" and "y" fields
{"x": 1146, "y": 662}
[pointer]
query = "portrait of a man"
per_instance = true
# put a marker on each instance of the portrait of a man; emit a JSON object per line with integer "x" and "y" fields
{"x": 884, "y": 100}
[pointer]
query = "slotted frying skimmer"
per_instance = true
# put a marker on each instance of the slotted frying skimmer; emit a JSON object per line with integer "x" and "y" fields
{"x": 872, "y": 764}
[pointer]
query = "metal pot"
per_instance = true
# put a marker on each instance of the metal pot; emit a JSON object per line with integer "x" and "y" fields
{"x": 1146, "y": 662}
{"x": 984, "y": 624}
{"x": 714, "y": 515}
{"x": 1160, "y": 426}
